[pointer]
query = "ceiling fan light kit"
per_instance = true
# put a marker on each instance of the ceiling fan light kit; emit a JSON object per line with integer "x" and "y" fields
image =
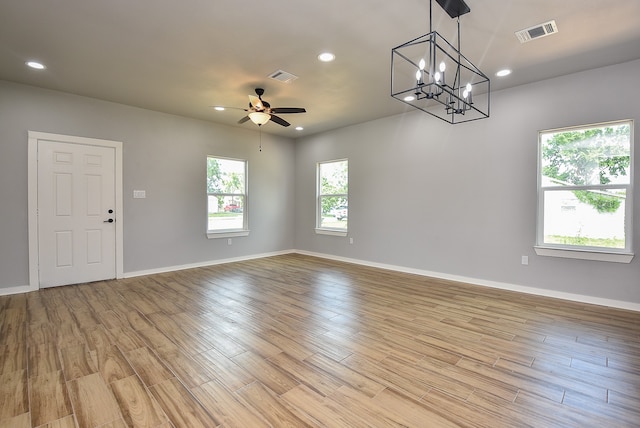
{"x": 432, "y": 75}
{"x": 259, "y": 118}
{"x": 261, "y": 112}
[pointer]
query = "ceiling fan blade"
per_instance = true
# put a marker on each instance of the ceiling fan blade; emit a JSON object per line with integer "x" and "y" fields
{"x": 279, "y": 120}
{"x": 256, "y": 102}
{"x": 283, "y": 110}
{"x": 221, "y": 108}
{"x": 244, "y": 119}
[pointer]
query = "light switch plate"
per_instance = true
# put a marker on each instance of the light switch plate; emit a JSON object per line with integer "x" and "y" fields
{"x": 139, "y": 194}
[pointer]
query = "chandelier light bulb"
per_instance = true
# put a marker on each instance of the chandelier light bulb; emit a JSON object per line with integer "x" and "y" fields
{"x": 443, "y": 67}
{"x": 422, "y": 64}
{"x": 437, "y": 77}
{"x": 418, "y": 75}
{"x": 469, "y": 87}
{"x": 465, "y": 94}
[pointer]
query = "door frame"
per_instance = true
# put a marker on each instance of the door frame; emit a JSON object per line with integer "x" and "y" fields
{"x": 33, "y": 138}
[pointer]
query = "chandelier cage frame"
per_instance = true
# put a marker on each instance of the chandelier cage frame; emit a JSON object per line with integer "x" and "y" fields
{"x": 419, "y": 72}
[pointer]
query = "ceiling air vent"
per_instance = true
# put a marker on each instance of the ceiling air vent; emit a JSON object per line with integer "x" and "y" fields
{"x": 282, "y": 76}
{"x": 537, "y": 31}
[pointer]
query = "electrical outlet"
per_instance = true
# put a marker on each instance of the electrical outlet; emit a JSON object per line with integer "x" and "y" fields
{"x": 229, "y": 242}
{"x": 350, "y": 240}
{"x": 525, "y": 260}
{"x": 139, "y": 194}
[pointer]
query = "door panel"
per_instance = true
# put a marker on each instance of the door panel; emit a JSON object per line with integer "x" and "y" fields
{"x": 64, "y": 248}
{"x": 76, "y": 191}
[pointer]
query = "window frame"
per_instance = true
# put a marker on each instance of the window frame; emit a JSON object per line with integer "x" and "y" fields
{"x": 229, "y": 233}
{"x": 323, "y": 230}
{"x": 620, "y": 255}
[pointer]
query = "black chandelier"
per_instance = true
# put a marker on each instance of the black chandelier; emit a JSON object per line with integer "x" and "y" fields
{"x": 430, "y": 74}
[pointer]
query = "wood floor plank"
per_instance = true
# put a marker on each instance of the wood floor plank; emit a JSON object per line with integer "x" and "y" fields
{"x": 466, "y": 413}
{"x": 97, "y": 337}
{"x": 293, "y": 347}
{"x": 137, "y": 321}
{"x": 182, "y": 408}
{"x": 559, "y": 379}
{"x": 43, "y": 359}
{"x": 411, "y": 412}
{"x": 148, "y": 366}
{"x": 322, "y": 410}
{"x": 157, "y": 340}
{"x": 138, "y": 407}
{"x": 77, "y": 361}
{"x": 255, "y": 343}
{"x": 118, "y": 423}
{"x": 39, "y": 333}
{"x": 345, "y": 375}
{"x": 434, "y": 376}
{"x": 49, "y": 399}
{"x": 13, "y": 357}
{"x": 13, "y": 328}
{"x": 186, "y": 369}
{"x": 66, "y": 422}
{"x": 270, "y": 407}
{"x": 93, "y": 402}
{"x": 112, "y": 364}
{"x": 367, "y": 409}
{"x": 20, "y": 421}
{"x": 562, "y": 415}
{"x": 507, "y": 412}
{"x": 589, "y": 405}
{"x": 386, "y": 376}
{"x": 224, "y": 369}
{"x": 221, "y": 342}
{"x": 270, "y": 375}
{"x": 69, "y": 334}
{"x": 305, "y": 373}
{"x": 14, "y": 398}
{"x": 126, "y": 338}
{"x": 521, "y": 381}
{"x": 227, "y": 407}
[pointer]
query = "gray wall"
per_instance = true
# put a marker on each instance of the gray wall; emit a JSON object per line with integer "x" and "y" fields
{"x": 461, "y": 200}
{"x": 162, "y": 154}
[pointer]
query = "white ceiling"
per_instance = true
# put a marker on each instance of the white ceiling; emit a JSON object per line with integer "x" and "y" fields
{"x": 184, "y": 56}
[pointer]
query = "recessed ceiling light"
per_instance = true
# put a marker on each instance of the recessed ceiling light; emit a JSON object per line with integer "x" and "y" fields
{"x": 503, "y": 73}
{"x": 299, "y": 128}
{"x": 36, "y": 65}
{"x": 326, "y": 57}
{"x": 409, "y": 98}
{"x": 219, "y": 108}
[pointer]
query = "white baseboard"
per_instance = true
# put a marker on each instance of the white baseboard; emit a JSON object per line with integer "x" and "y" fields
{"x": 592, "y": 300}
{"x": 619, "y": 304}
{"x": 203, "y": 264}
{"x": 16, "y": 290}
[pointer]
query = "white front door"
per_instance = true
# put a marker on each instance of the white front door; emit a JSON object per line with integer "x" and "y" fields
{"x": 76, "y": 213}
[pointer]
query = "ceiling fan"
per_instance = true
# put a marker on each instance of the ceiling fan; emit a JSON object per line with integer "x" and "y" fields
{"x": 260, "y": 111}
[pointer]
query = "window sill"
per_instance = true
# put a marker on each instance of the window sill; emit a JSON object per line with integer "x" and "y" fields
{"x": 584, "y": 255}
{"x": 227, "y": 234}
{"x": 331, "y": 232}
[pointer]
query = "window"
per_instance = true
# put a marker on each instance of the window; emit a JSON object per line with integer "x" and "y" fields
{"x": 584, "y": 191}
{"x": 227, "y": 197}
{"x": 333, "y": 197}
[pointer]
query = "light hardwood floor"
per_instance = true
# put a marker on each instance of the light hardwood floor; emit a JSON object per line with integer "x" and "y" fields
{"x": 297, "y": 341}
